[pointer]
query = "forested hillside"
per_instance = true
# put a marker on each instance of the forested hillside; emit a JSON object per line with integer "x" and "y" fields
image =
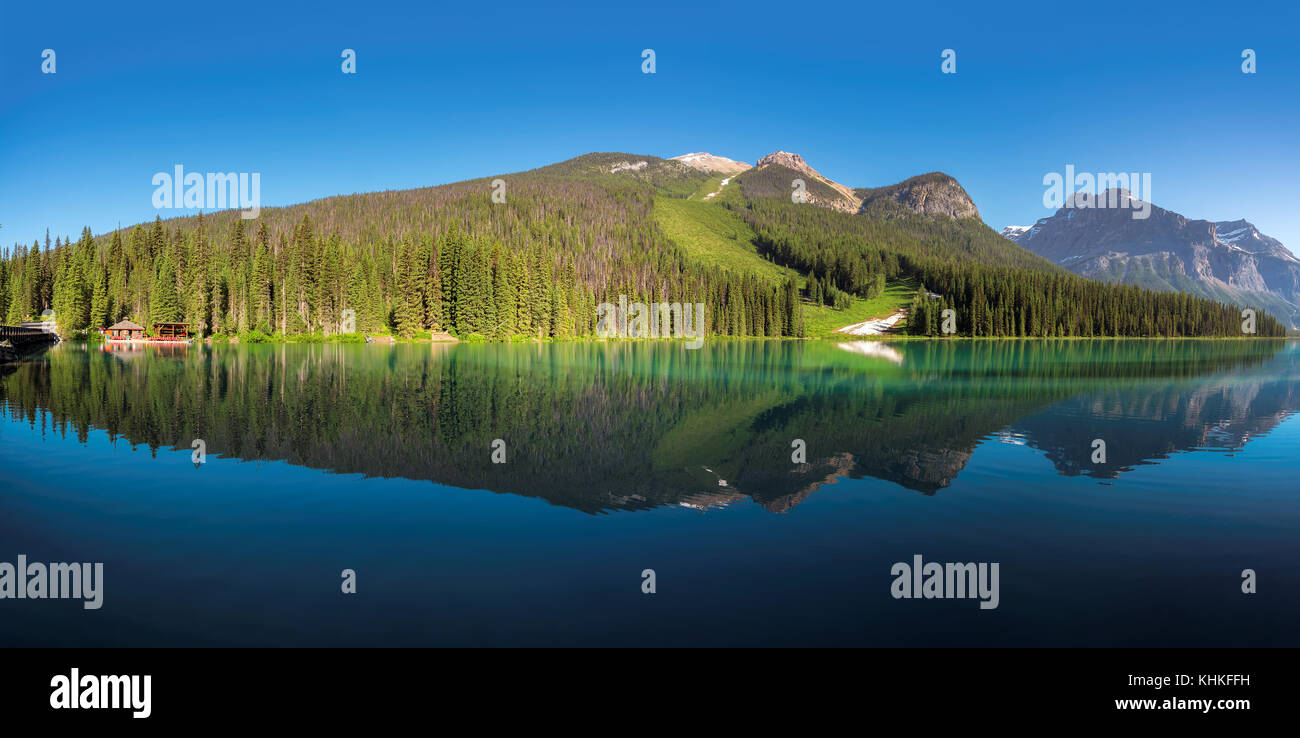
{"x": 994, "y": 287}
{"x": 568, "y": 237}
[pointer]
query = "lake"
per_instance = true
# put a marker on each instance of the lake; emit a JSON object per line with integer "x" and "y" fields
{"x": 771, "y": 486}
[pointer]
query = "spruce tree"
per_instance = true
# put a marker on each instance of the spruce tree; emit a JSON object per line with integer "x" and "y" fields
{"x": 164, "y": 306}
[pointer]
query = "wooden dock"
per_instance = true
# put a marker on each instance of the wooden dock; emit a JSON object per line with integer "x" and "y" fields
{"x": 18, "y": 341}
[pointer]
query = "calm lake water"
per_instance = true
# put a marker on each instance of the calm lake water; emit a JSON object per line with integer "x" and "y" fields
{"x": 626, "y": 457}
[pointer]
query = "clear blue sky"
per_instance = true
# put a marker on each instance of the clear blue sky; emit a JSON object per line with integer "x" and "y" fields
{"x": 446, "y": 92}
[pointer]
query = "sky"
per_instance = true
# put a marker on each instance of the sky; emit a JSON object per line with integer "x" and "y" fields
{"x": 445, "y": 92}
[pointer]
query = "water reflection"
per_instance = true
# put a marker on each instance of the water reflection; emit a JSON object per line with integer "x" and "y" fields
{"x": 601, "y": 427}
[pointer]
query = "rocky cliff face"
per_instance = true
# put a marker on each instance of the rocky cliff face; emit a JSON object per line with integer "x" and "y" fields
{"x": 788, "y": 160}
{"x": 933, "y": 194}
{"x": 1228, "y": 260}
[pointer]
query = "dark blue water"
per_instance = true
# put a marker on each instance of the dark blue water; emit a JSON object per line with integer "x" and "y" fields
{"x": 378, "y": 459}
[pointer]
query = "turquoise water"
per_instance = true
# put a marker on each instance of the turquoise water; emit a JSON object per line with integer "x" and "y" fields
{"x": 634, "y": 456}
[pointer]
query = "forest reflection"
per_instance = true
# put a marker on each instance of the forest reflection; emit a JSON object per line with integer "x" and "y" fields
{"x": 625, "y": 426}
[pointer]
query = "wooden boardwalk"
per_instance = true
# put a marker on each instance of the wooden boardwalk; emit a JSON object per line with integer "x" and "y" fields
{"x": 16, "y": 341}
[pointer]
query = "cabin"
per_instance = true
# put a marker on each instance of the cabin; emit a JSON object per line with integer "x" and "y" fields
{"x": 125, "y": 331}
{"x": 172, "y": 331}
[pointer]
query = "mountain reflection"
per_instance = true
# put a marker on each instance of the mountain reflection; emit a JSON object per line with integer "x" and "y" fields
{"x": 601, "y": 427}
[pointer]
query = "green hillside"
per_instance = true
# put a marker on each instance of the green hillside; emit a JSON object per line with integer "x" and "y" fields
{"x": 775, "y": 181}
{"x": 717, "y": 236}
{"x": 714, "y": 237}
{"x": 567, "y": 238}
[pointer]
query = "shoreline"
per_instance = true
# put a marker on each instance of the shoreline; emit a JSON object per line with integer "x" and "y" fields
{"x": 836, "y": 338}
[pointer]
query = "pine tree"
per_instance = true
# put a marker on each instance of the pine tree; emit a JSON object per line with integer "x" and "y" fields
{"x": 407, "y": 310}
{"x": 99, "y": 302}
{"x": 164, "y": 306}
{"x": 262, "y": 282}
{"x": 504, "y": 294}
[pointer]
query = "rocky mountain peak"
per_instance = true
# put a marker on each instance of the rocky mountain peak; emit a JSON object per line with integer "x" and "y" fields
{"x": 845, "y": 199}
{"x": 788, "y": 160}
{"x": 706, "y": 162}
{"x": 1242, "y": 235}
{"x": 932, "y": 194}
{"x": 1116, "y": 197}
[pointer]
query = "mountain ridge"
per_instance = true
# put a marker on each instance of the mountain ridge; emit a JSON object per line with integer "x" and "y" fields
{"x": 1223, "y": 260}
{"x": 534, "y": 253}
{"x": 706, "y": 162}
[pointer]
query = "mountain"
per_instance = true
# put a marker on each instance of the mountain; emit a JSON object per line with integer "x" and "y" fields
{"x": 531, "y": 254}
{"x": 925, "y": 231}
{"x": 1242, "y": 234}
{"x": 534, "y": 254}
{"x": 777, "y": 172}
{"x": 711, "y": 164}
{"x": 929, "y": 215}
{"x": 1013, "y": 232}
{"x": 1229, "y": 261}
{"x": 797, "y": 163}
{"x": 928, "y": 194}
{"x": 932, "y": 195}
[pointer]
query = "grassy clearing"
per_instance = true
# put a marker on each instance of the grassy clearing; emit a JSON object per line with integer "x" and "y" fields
{"x": 712, "y": 184}
{"x": 714, "y": 237}
{"x": 821, "y": 322}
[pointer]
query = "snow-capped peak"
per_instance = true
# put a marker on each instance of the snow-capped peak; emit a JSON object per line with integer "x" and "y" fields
{"x": 1014, "y": 232}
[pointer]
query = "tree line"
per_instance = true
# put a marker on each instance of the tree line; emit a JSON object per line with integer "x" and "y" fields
{"x": 409, "y": 263}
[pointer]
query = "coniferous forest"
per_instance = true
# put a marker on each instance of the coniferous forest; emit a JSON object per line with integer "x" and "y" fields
{"x": 437, "y": 259}
{"x": 567, "y": 238}
{"x": 994, "y": 287}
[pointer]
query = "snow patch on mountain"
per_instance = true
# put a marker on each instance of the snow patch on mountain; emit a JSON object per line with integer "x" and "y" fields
{"x": 1014, "y": 232}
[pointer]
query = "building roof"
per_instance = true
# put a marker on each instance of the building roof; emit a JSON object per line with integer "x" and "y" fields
{"x": 126, "y": 325}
